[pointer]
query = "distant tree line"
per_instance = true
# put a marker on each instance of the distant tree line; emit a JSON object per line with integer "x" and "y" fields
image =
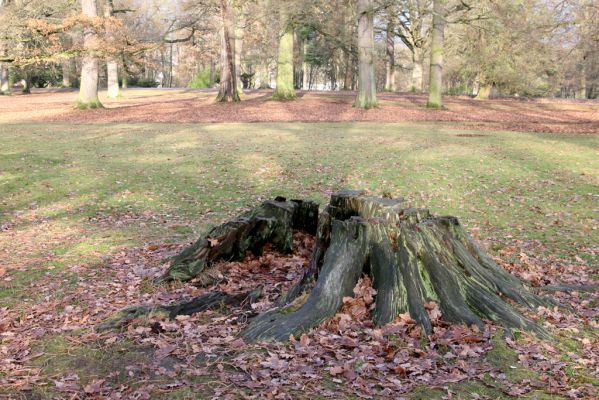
{"x": 475, "y": 47}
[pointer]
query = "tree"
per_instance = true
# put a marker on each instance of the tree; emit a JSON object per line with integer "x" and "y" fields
{"x": 285, "y": 89}
{"x": 412, "y": 20}
{"x": 436, "y": 62}
{"x": 390, "y": 85}
{"x": 228, "y": 85}
{"x": 88, "y": 89}
{"x": 366, "y": 97}
{"x": 112, "y": 71}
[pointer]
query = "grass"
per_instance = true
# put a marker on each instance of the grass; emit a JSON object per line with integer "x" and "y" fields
{"x": 78, "y": 193}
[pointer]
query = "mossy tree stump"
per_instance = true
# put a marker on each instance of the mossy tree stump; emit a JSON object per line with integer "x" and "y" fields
{"x": 412, "y": 257}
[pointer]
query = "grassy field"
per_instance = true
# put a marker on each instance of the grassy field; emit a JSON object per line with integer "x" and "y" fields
{"x": 73, "y": 195}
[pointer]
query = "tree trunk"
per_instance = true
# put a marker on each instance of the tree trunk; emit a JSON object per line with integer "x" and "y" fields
{"x": 67, "y": 71}
{"x": 4, "y": 79}
{"x": 239, "y": 36}
{"x": 285, "y": 89}
{"x": 366, "y": 97}
{"x": 124, "y": 80}
{"x": 228, "y": 83}
{"x": 390, "y": 85}
{"x": 112, "y": 73}
{"x": 417, "y": 70}
{"x": 305, "y": 67}
{"x": 88, "y": 90}
{"x": 212, "y": 68}
{"x": 484, "y": 91}
{"x": 26, "y": 82}
{"x": 412, "y": 257}
{"x": 581, "y": 93}
{"x": 112, "y": 69}
{"x": 437, "y": 45}
{"x": 349, "y": 71}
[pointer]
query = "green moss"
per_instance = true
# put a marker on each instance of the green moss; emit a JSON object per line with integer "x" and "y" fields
{"x": 61, "y": 357}
{"x": 502, "y": 357}
{"x": 88, "y": 105}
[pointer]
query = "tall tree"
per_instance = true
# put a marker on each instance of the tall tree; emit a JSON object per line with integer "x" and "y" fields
{"x": 436, "y": 61}
{"x": 239, "y": 39}
{"x": 4, "y": 79}
{"x": 88, "y": 89}
{"x": 390, "y": 85}
{"x": 412, "y": 20}
{"x": 228, "y": 82}
{"x": 285, "y": 89}
{"x": 366, "y": 97}
{"x": 112, "y": 71}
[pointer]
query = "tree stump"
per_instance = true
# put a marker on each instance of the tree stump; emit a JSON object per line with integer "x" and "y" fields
{"x": 273, "y": 221}
{"x": 412, "y": 257}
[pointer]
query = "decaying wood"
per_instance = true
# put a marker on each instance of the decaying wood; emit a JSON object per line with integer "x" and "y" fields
{"x": 271, "y": 222}
{"x": 412, "y": 257}
{"x": 207, "y": 301}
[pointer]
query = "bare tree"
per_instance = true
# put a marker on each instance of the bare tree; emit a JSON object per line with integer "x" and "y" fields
{"x": 228, "y": 85}
{"x": 366, "y": 97}
{"x": 436, "y": 63}
{"x": 88, "y": 90}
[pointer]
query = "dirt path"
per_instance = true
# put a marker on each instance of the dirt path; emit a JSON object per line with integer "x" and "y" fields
{"x": 188, "y": 106}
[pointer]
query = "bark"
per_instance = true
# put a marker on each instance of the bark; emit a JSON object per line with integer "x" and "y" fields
{"x": 239, "y": 36}
{"x": 305, "y": 67}
{"x": 228, "y": 82}
{"x": 349, "y": 71}
{"x": 390, "y": 85}
{"x": 208, "y": 301}
{"x": 112, "y": 70}
{"x": 4, "y": 79}
{"x": 417, "y": 70}
{"x": 581, "y": 93}
{"x": 112, "y": 73}
{"x": 484, "y": 91}
{"x": 67, "y": 72}
{"x": 285, "y": 89}
{"x": 212, "y": 71}
{"x": 366, "y": 97}
{"x": 88, "y": 90}
{"x": 124, "y": 81}
{"x": 436, "y": 64}
{"x": 413, "y": 258}
{"x": 272, "y": 221}
{"x": 26, "y": 82}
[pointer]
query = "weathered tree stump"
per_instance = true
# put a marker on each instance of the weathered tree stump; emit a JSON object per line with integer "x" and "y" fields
{"x": 271, "y": 222}
{"x": 412, "y": 257}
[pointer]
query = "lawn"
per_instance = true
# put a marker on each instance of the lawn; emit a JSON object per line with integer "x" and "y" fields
{"x": 74, "y": 198}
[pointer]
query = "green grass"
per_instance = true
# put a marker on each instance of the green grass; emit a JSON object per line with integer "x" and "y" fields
{"x": 78, "y": 193}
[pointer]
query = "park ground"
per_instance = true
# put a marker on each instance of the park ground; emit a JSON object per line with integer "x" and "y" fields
{"x": 92, "y": 202}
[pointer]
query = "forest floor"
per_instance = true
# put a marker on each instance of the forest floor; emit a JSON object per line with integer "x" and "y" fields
{"x": 90, "y": 211}
{"x": 188, "y": 106}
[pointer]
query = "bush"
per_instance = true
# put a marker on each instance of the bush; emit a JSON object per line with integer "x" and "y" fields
{"x": 141, "y": 82}
{"x": 201, "y": 80}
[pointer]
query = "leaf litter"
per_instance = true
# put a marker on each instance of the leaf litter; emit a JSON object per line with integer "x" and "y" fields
{"x": 345, "y": 354}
